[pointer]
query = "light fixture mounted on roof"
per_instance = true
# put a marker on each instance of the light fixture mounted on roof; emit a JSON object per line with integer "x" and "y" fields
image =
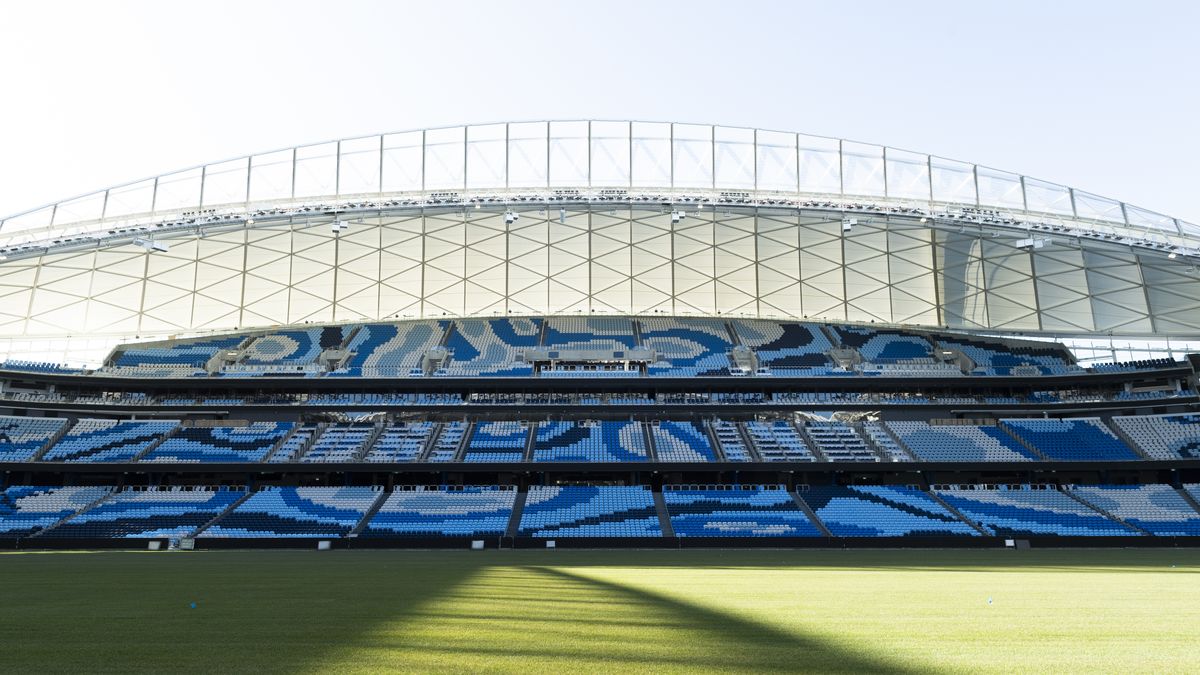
{"x": 151, "y": 245}
{"x": 510, "y": 217}
{"x": 338, "y": 226}
{"x": 848, "y": 224}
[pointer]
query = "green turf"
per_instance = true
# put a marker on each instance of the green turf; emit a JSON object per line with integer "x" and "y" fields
{"x": 588, "y": 611}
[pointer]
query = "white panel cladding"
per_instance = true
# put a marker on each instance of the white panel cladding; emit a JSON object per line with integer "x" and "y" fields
{"x": 600, "y": 260}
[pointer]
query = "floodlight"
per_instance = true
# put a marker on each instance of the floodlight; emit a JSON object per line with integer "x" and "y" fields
{"x": 151, "y": 245}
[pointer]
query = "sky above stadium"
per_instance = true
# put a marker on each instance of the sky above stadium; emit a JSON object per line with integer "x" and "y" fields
{"x": 1101, "y": 96}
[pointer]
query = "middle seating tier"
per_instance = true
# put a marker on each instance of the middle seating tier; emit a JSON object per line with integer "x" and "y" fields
{"x": 107, "y": 440}
{"x": 589, "y": 442}
{"x": 339, "y": 443}
{"x": 497, "y": 442}
{"x": 961, "y": 442}
{"x": 249, "y": 443}
{"x": 682, "y": 442}
{"x": 1080, "y": 439}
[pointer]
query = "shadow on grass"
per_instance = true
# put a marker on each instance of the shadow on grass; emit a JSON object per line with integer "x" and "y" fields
{"x": 420, "y": 611}
{"x": 255, "y": 610}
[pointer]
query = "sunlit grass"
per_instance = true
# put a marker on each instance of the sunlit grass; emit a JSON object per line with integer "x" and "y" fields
{"x": 587, "y": 611}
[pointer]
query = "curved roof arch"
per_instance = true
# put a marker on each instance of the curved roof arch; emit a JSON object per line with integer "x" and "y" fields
{"x": 593, "y": 155}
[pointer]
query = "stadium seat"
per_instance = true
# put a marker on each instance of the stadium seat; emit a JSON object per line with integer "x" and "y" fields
{"x": 145, "y": 513}
{"x": 589, "y": 442}
{"x": 589, "y": 511}
{"x": 107, "y": 440}
{"x": 28, "y": 509}
{"x": 466, "y": 511}
{"x": 882, "y": 511}
{"x": 754, "y": 511}
{"x": 315, "y": 512}
{"x": 1026, "y": 510}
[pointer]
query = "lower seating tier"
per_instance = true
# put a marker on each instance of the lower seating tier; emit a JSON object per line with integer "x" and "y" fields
{"x": 47, "y": 513}
{"x": 882, "y": 511}
{"x": 443, "y": 512}
{"x": 758, "y": 511}
{"x": 136, "y": 513}
{"x": 296, "y": 512}
{"x": 590, "y": 511}
{"x": 1022, "y": 510}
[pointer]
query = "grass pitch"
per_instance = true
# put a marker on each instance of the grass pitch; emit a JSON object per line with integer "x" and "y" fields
{"x": 589, "y": 611}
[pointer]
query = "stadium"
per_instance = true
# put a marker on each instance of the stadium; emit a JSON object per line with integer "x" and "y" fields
{"x": 600, "y": 335}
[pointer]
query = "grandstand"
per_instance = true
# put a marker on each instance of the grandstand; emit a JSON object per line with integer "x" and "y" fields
{"x": 732, "y": 354}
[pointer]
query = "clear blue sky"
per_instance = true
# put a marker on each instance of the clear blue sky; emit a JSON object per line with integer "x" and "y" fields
{"x": 1102, "y": 96}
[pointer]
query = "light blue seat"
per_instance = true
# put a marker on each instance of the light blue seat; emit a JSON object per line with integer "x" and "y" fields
{"x": 250, "y": 443}
{"x": 607, "y": 441}
{"x": 1024, "y": 510}
{"x": 466, "y": 511}
{"x": 882, "y": 511}
{"x": 758, "y": 511}
{"x": 145, "y": 513}
{"x": 296, "y": 512}
{"x": 589, "y": 511}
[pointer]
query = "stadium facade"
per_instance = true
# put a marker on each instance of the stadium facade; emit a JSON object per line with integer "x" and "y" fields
{"x": 600, "y": 334}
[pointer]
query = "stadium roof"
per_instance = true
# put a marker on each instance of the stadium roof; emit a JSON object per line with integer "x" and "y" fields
{"x": 711, "y": 220}
{"x": 588, "y": 154}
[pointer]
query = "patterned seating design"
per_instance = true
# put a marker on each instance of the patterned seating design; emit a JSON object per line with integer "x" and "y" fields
{"x": 1078, "y": 439}
{"x": 1024, "y": 510}
{"x": 138, "y": 513}
{"x": 687, "y": 347}
{"x": 758, "y": 511}
{"x": 607, "y": 441}
{"x": 785, "y": 347}
{"x": 589, "y": 511}
{"x": 107, "y": 440}
{"x": 497, "y": 442}
{"x": 296, "y": 512}
{"x": 295, "y": 346}
{"x": 390, "y": 350}
{"x": 22, "y": 437}
{"x": 468, "y": 511}
{"x": 489, "y": 347}
{"x": 682, "y": 442}
{"x": 600, "y": 333}
{"x": 220, "y": 444}
{"x": 882, "y": 511}
{"x": 960, "y": 443}
{"x": 27, "y": 509}
{"x": 1158, "y": 509}
{"x": 1164, "y": 436}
